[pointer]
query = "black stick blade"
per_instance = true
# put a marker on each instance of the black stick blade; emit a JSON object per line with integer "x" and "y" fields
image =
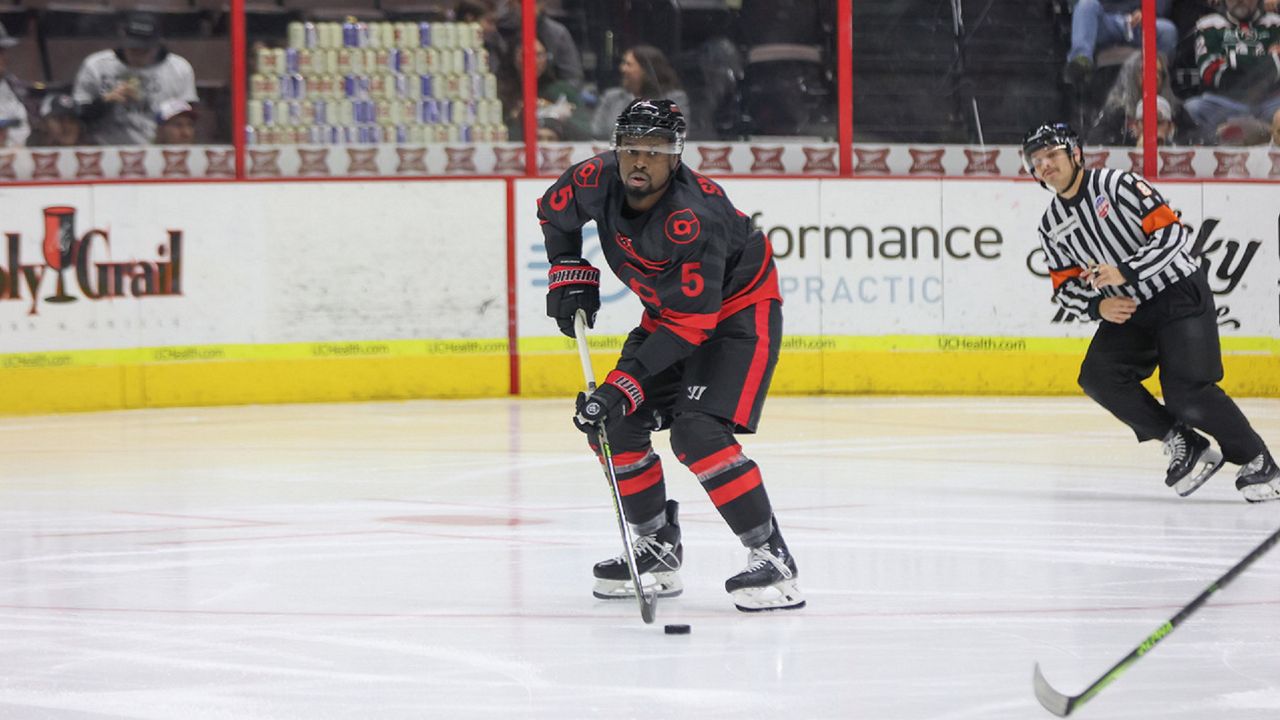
{"x": 649, "y": 607}
{"x": 1052, "y": 700}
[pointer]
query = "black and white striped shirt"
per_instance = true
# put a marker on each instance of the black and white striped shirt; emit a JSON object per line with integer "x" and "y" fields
{"x": 1116, "y": 219}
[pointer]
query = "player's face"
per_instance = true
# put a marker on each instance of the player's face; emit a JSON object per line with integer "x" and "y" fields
{"x": 1054, "y": 167}
{"x": 645, "y": 170}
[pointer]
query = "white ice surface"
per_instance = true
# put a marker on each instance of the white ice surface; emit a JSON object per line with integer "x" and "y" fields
{"x": 432, "y": 560}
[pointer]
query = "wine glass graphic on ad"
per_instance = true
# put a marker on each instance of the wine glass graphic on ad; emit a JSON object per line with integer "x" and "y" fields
{"x": 60, "y": 245}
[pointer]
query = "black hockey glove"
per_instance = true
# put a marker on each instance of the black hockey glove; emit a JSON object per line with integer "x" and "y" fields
{"x": 618, "y": 397}
{"x": 574, "y": 285}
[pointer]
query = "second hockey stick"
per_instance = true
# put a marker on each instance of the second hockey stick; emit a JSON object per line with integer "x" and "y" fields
{"x": 648, "y": 603}
{"x": 1062, "y": 705}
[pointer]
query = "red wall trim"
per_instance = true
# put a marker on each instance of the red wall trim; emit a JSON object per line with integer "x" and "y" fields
{"x": 844, "y": 85}
{"x": 528, "y": 33}
{"x": 513, "y": 334}
{"x": 239, "y": 85}
{"x": 1149, "y": 165}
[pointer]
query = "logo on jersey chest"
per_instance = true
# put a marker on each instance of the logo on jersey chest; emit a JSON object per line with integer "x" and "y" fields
{"x": 628, "y": 246}
{"x": 1102, "y": 206}
{"x": 682, "y": 227}
{"x": 1065, "y": 230}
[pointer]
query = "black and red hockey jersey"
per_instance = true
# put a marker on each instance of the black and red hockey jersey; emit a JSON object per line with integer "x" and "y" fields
{"x": 692, "y": 259}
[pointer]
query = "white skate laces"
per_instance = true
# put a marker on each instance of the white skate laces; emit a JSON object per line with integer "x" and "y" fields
{"x": 767, "y": 583}
{"x": 658, "y": 564}
{"x": 1175, "y": 446}
{"x": 761, "y": 556}
{"x": 663, "y": 553}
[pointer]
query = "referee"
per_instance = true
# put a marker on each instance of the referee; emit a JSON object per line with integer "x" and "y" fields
{"x": 1117, "y": 253}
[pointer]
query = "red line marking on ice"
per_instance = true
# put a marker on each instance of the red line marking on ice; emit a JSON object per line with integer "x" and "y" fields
{"x": 581, "y": 615}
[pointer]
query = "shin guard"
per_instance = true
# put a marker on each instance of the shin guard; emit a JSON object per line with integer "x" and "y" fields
{"x": 640, "y": 483}
{"x": 732, "y": 480}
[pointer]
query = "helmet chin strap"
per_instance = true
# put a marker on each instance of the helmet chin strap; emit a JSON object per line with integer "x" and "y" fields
{"x": 1077, "y": 168}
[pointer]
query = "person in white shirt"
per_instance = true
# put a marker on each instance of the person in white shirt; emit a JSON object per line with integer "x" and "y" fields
{"x": 13, "y": 97}
{"x": 121, "y": 90}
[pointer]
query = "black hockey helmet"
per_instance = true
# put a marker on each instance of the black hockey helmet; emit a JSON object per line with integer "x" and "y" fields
{"x": 1049, "y": 135}
{"x": 652, "y": 118}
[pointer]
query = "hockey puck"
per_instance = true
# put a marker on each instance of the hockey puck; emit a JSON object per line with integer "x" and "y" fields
{"x": 676, "y": 629}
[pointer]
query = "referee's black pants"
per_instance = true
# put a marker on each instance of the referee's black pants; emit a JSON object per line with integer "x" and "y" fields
{"x": 1176, "y": 330}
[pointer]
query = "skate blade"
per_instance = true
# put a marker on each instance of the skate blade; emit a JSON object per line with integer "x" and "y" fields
{"x": 1262, "y": 492}
{"x": 665, "y": 584}
{"x": 782, "y": 595}
{"x": 1210, "y": 462}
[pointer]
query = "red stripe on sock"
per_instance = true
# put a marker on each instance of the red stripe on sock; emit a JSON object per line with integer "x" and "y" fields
{"x": 732, "y": 490}
{"x": 626, "y": 458}
{"x": 641, "y": 482}
{"x": 715, "y": 458}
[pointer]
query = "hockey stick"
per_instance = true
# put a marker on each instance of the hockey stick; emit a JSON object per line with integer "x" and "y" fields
{"x": 1062, "y": 705}
{"x": 648, "y": 604}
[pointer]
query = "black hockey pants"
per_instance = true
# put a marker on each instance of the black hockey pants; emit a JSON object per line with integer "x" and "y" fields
{"x": 1177, "y": 330}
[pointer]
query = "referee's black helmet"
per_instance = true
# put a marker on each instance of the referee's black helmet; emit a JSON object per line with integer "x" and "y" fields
{"x": 1049, "y": 135}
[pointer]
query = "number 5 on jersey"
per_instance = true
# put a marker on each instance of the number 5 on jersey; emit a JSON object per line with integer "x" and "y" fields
{"x": 691, "y": 283}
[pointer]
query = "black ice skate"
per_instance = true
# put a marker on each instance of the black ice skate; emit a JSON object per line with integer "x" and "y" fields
{"x": 769, "y": 582}
{"x": 1187, "y": 451}
{"x": 658, "y": 558}
{"x": 1259, "y": 480}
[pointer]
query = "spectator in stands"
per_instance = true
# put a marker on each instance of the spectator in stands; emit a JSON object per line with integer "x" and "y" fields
{"x": 557, "y": 100}
{"x": 553, "y": 35}
{"x": 7, "y": 124}
{"x": 120, "y": 91}
{"x": 1114, "y": 122}
{"x": 1165, "y": 128}
{"x": 1097, "y": 24}
{"x": 59, "y": 124}
{"x": 553, "y": 130}
{"x": 1238, "y": 53}
{"x": 175, "y": 123}
{"x": 476, "y": 11}
{"x": 13, "y": 96}
{"x": 645, "y": 73}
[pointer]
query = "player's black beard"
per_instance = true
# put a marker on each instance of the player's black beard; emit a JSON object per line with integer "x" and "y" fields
{"x": 638, "y": 195}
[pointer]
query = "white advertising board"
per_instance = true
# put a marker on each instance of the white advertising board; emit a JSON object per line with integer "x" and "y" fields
{"x": 933, "y": 257}
{"x": 202, "y": 264}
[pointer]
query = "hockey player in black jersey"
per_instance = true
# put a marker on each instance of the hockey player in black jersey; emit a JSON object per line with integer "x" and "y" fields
{"x": 1117, "y": 253}
{"x": 700, "y": 361}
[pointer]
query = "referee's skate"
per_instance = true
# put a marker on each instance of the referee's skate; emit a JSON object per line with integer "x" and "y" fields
{"x": 1192, "y": 459}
